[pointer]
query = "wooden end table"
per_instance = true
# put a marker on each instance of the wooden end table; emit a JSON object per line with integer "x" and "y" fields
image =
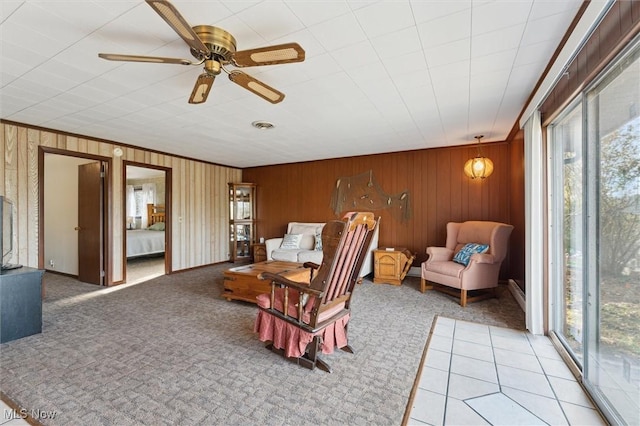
{"x": 391, "y": 266}
{"x": 242, "y": 283}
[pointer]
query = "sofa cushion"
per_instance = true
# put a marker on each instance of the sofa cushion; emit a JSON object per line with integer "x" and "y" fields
{"x": 464, "y": 255}
{"x": 310, "y": 256}
{"x": 308, "y": 231}
{"x": 285, "y": 255}
{"x": 291, "y": 241}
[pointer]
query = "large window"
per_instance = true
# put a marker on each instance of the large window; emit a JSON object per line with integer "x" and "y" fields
{"x": 569, "y": 224}
{"x": 595, "y": 148}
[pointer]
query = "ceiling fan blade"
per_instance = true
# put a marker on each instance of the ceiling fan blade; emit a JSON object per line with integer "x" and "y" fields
{"x": 137, "y": 58}
{"x": 170, "y": 14}
{"x": 270, "y": 55}
{"x": 201, "y": 89}
{"x": 256, "y": 86}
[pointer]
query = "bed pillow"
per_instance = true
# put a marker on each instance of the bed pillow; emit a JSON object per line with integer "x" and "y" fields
{"x": 158, "y": 226}
{"x": 464, "y": 255}
{"x": 291, "y": 241}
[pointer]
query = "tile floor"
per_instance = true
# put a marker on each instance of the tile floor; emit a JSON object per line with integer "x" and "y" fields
{"x": 476, "y": 374}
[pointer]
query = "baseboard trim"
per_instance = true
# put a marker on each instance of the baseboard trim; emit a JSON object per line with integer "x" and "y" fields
{"x": 518, "y": 295}
{"x": 415, "y": 271}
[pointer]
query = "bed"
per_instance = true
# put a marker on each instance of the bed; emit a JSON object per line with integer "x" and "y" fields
{"x": 155, "y": 213}
{"x": 150, "y": 241}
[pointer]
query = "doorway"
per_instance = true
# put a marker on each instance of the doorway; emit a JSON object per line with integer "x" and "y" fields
{"x": 73, "y": 219}
{"x": 146, "y": 221}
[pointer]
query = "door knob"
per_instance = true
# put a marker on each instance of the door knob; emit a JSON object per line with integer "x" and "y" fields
{"x": 77, "y": 228}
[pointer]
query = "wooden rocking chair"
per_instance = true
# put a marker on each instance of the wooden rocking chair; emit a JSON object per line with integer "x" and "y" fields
{"x": 317, "y": 314}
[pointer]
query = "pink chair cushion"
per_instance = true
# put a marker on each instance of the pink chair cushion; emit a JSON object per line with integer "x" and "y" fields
{"x": 452, "y": 269}
{"x": 294, "y": 340}
{"x": 264, "y": 301}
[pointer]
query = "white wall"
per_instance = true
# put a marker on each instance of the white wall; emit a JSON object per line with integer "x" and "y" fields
{"x": 61, "y": 212}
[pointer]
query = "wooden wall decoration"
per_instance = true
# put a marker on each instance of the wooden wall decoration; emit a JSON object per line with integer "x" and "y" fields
{"x": 362, "y": 193}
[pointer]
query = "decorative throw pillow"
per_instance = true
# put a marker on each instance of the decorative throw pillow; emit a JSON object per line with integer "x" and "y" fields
{"x": 291, "y": 241}
{"x": 318, "y": 246}
{"x": 464, "y": 255}
{"x": 158, "y": 226}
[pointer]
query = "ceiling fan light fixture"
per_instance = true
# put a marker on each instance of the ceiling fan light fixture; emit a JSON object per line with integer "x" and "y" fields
{"x": 215, "y": 48}
{"x": 262, "y": 125}
{"x": 212, "y": 66}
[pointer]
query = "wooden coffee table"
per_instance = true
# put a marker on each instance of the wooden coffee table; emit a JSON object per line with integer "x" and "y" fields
{"x": 242, "y": 283}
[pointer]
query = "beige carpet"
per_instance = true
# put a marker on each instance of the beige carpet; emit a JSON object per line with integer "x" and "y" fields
{"x": 172, "y": 351}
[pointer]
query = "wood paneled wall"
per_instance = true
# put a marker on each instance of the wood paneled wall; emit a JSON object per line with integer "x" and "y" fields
{"x": 200, "y": 231}
{"x": 439, "y": 191}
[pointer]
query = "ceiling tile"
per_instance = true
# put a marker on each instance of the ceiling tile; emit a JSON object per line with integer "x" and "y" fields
{"x": 544, "y": 8}
{"x": 548, "y": 28}
{"x": 497, "y": 41}
{"x": 397, "y": 43}
{"x": 239, "y": 5}
{"x": 446, "y": 29}
{"x": 493, "y": 62}
{"x": 314, "y": 12}
{"x": 26, "y": 37}
{"x": 424, "y": 11}
{"x": 538, "y": 53}
{"x": 86, "y": 16}
{"x": 356, "y": 55}
{"x": 499, "y": 14}
{"x": 338, "y": 32}
{"x": 449, "y": 53}
{"x": 385, "y": 17}
{"x": 7, "y": 7}
{"x": 406, "y": 64}
{"x": 271, "y": 20}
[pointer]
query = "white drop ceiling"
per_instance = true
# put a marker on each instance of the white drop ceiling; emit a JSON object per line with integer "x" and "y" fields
{"x": 379, "y": 76}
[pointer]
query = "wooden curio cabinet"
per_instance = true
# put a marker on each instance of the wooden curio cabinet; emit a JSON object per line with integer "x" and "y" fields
{"x": 242, "y": 218}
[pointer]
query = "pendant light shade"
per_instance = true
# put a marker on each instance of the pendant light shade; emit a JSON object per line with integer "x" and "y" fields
{"x": 479, "y": 166}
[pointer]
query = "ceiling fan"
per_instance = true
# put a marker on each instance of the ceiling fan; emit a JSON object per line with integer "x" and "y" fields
{"x": 216, "y": 49}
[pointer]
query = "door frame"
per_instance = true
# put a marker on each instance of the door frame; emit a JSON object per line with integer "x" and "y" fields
{"x": 106, "y": 205}
{"x": 167, "y": 212}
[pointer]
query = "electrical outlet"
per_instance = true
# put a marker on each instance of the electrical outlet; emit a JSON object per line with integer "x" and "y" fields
{"x": 52, "y": 263}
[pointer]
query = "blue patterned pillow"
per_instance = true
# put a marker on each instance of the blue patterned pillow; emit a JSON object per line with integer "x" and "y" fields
{"x": 318, "y": 245}
{"x": 464, "y": 255}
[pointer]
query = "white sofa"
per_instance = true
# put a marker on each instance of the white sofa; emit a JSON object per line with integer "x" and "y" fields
{"x": 306, "y": 251}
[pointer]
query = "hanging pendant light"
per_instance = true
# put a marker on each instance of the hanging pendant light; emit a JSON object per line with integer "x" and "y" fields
{"x": 479, "y": 166}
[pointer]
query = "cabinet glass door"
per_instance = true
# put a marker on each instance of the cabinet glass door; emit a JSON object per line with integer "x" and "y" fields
{"x": 241, "y": 239}
{"x": 241, "y": 220}
{"x": 242, "y": 203}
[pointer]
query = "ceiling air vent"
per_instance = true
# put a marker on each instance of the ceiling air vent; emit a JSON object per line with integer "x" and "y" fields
{"x": 262, "y": 125}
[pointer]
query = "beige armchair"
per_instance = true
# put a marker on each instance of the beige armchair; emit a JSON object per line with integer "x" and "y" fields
{"x": 481, "y": 272}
